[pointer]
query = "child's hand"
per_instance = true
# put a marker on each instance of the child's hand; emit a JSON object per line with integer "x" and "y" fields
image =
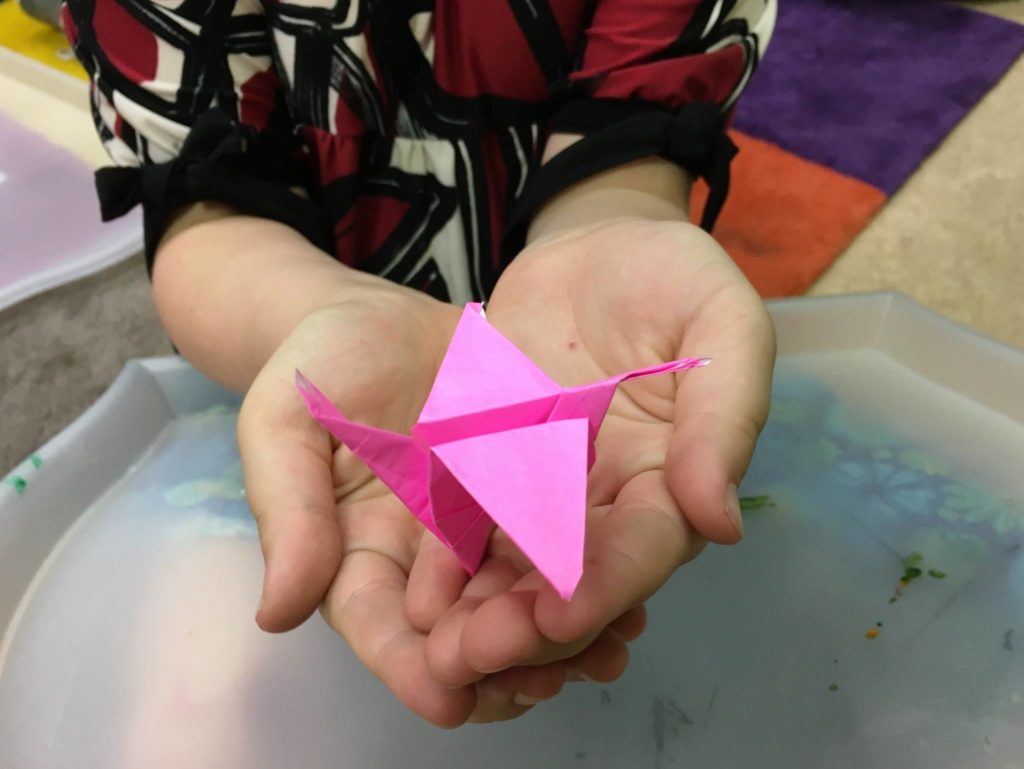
{"x": 590, "y": 303}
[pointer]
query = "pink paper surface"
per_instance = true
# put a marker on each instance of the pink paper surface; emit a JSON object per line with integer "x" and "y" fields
{"x": 481, "y": 371}
{"x": 498, "y": 443}
{"x": 532, "y": 481}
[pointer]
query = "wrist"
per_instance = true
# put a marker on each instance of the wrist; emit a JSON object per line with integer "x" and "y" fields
{"x": 647, "y": 189}
{"x": 652, "y": 188}
{"x": 230, "y": 289}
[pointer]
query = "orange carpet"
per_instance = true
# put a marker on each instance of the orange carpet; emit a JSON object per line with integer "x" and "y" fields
{"x": 787, "y": 219}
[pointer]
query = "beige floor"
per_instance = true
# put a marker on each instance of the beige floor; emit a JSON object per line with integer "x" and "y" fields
{"x": 953, "y": 238}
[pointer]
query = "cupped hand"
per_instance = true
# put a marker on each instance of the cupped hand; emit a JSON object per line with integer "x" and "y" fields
{"x": 332, "y": 534}
{"x": 587, "y": 304}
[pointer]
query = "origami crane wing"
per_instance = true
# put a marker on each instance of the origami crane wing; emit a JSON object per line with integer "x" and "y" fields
{"x": 532, "y": 481}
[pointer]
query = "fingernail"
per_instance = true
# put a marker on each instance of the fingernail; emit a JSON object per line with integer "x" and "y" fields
{"x": 575, "y": 677}
{"x": 525, "y": 699}
{"x": 732, "y": 507}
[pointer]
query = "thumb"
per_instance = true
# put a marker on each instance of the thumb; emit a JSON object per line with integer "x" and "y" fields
{"x": 287, "y": 459}
{"x": 720, "y": 411}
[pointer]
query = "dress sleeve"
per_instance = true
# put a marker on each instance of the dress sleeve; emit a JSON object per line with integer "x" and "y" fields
{"x": 188, "y": 104}
{"x": 654, "y": 77}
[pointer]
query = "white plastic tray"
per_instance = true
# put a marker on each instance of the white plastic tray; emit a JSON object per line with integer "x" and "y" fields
{"x": 50, "y": 228}
{"x": 129, "y": 572}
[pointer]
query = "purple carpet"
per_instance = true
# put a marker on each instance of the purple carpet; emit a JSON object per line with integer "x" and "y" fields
{"x": 870, "y": 87}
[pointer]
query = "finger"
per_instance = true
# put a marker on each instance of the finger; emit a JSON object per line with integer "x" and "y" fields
{"x": 720, "y": 410}
{"x": 511, "y": 693}
{"x": 604, "y": 661}
{"x": 501, "y": 633}
{"x": 286, "y": 460}
{"x": 444, "y": 652}
{"x": 435, "y": 583}
{"x": 631, "y": 624}
{"x": 629, "y": 555}
{"x": 366, "y": 605}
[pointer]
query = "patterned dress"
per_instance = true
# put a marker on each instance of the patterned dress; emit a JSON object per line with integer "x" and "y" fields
{"x": 414, "y": 127}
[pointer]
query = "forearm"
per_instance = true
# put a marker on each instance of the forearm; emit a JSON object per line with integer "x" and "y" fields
{"x": 652, "y": 188}
{"x": 230, "y": 288}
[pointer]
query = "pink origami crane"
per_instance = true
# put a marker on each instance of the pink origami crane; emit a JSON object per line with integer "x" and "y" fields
{"x": 497, "y": 442}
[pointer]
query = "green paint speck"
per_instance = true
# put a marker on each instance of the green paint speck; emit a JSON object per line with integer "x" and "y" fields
{"x": 910, "y": 573}
{"x": 17, "y": 482}
{"x": 36, "y": 460}
{"x": 911, "y": 560}
{"x": 749, "y": 504}
{"x": 833, "y": 687}
{"x": 911, "y": 568}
